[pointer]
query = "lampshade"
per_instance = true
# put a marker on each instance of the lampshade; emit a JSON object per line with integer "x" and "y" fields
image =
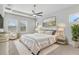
{"x": 60, "y": 29}
{"x": 38, "y": 28}
{"x": 1, "y": 30}
{"x": 61, "y": 25}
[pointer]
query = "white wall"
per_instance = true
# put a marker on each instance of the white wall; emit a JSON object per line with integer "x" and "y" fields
{"x": 63, "y": 17}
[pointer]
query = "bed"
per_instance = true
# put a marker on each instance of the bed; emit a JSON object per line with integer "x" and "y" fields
{"x": 36, "y": 42}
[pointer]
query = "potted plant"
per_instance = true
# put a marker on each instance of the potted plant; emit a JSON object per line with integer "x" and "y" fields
{"x": 75, "y": 35}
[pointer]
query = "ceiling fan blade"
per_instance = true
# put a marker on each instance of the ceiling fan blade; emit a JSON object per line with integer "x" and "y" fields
{"x": 40, "y": 13}
{"x": 36, "y": 14}
{"x": 33, "y": 12}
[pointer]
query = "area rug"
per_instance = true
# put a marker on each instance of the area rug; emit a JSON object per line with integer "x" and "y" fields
{"x": 12, "y": 48}
{"x": 49, "y": 49}
{"x": 21, "y": 48}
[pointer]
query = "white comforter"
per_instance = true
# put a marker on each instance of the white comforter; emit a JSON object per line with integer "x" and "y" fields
{"x": 36, "y": 42}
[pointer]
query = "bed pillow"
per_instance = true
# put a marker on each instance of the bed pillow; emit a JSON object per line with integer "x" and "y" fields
{"x": 50, "y": 32}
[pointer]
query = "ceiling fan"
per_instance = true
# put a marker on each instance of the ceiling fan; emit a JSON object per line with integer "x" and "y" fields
{"x": 36, "y": 13}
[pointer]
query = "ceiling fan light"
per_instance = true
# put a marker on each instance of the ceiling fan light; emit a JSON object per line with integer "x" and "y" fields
{"x": 34, "y": 15}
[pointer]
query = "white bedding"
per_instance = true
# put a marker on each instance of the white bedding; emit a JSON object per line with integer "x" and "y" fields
{"x": 36, "y": 42}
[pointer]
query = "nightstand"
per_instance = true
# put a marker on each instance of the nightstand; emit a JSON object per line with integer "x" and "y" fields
{"x": 61, "y": 39}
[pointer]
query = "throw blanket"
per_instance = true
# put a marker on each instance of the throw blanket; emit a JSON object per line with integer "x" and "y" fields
{"x": 36, "y": 42}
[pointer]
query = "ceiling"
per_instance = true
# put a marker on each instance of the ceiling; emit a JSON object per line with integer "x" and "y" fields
{"x": 45, "y": 8}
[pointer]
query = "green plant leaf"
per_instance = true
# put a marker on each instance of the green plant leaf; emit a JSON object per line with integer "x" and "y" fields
{"x": 75, "y": 32}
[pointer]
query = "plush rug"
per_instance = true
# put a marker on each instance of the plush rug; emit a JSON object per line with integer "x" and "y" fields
{"x": 21, "y": 48}
{"x": 12, "y": 48}
{"x": 50, "y": 49}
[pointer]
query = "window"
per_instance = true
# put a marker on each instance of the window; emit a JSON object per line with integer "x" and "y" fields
{"x": 74, "y": 18}
{"x": 12, "y": 24}
{"x": 23, "y": 25}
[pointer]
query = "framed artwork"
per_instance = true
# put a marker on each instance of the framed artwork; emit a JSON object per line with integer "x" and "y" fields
{"x": 50, "y": 22}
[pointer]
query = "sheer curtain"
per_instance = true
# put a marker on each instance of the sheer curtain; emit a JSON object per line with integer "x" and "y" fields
{"x": 19, "y": 22}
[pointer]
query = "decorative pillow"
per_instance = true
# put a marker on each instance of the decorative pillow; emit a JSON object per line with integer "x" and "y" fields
{"x": 48, "y": 32}
{"x": 54, "y": 31}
